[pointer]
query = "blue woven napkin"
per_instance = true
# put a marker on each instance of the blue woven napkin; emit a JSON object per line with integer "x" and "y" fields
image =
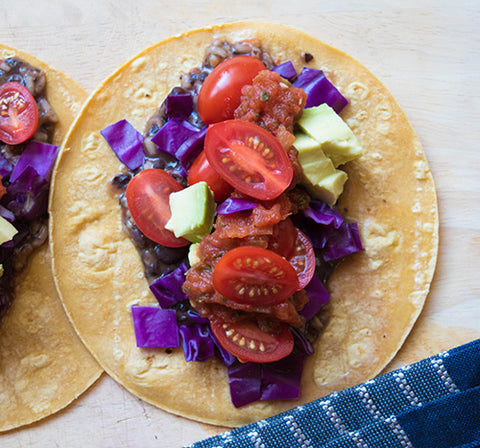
{"x": 434, "y": 403}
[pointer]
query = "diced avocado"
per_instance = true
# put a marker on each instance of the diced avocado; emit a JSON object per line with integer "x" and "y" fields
{"x": 320, "y": 176}
{"x": 7, "y": 230}
{"x": 335, "y": 138}
{"x": 193, "y": 255}
{"x": 329, "y": 188}
{"x": 193, "y": 211}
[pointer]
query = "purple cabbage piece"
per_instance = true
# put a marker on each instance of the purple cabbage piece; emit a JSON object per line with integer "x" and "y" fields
{"x": 197, "y": 342}
{"x": 278, "y": 380}
{"x": 155, "y": 327}
{"x": 191, "y": 148}
{"x": 233, "y": 205}
{"x": 286, "y": 70}
{"x": 342, "y": 242}
{"x": 7, "y": 214}
{"x": 5, "y": 166}
{"x": 281, "y": 379}
{"x": 318, "y": 297}
{"x": 27, "y": 196}
{"x": 37, "y": 155}
{"x": 223, "y": 355}
{"x": 168, "y": 289}
{"x": 322, "y": 213}
{"x": 126, "y": 142}
{"x": 327, "y": 231}
{"x": 173, "y": 134}
{"x": 245, "y": 380}
{"x": 179, "y": 105}
{"x": 319, "y": 89}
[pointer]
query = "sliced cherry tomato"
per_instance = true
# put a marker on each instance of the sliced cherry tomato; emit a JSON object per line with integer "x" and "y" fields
{"x": 303, "y": 259}
{"x": 201, "y": 170}
{"x": 255, "y": 276}
{"x": 283, "y": 239}
{"x": 221, "y": 91}
{"x": 18, "y": 113}
{"x": 148, "y": 201}
{"x": 249, "y": 343}
{"x": 249, "y": 158}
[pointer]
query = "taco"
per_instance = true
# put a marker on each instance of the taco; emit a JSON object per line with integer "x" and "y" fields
{"x": 43, "y": 364}
{"x": 112, "y": 274}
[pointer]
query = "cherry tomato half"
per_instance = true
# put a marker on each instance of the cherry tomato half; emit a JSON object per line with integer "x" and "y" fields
{"x": 148, "y": 201}
{"x": 303, "y": 259}
{"x": 283, "y": 239}
{"x": 249, "y": 343}
{"x": 249, "y": 158}
{"x": 18, "y": 113}
{"x": 201, "y": 170}
{"x": 254, "y": 276}
{"x": 221, "y": 91}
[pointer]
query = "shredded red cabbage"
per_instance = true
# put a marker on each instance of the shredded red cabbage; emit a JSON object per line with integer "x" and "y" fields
{"x": 245, "y": 380}
{"x": 5, "y": 166}
{"x": 191, "y": 148}
{"x": 37, "y": 155}
{"x": 181, "y": 140}
{"x": 197, "y": 342}
{"x": 278, "y": 380}
{"x": 7, "y": 214}
{"x": 155, "y": 327}
{"x": 27, "y": 196}
{"x": 319, "y": 89}
{"x": 281, "y": 379}
{"x": 233, "y": 205}
{"x": 285, "y": 70}
{"x": 327, "y": 231}
{"x": 318, "y": 297}
{"x": 342, "y": 242}
{"x": 168, "y": 288}
{"x": 179, "y": 105}
{"x": 126, "y": 142}
{"x": 322, "y": 213}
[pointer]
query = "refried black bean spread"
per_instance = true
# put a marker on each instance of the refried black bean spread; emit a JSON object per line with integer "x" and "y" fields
{"x": 156, "y": 258}
{"x": 34, "y": 233}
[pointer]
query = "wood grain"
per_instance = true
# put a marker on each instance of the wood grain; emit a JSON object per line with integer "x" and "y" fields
{"x": 426, "y": 53}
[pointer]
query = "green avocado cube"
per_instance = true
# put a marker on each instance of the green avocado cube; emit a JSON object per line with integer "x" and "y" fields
{"x": 7, "y": 230}
{"x": 332, "y": 134}
{"x": 193, "y": 211}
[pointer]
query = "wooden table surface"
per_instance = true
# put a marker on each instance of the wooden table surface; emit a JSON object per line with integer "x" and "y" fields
{"x": 426, "y": 52}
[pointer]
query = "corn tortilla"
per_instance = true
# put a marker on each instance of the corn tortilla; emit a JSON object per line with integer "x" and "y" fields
{"x": 43, "y": 364}
{"x": 376, "y": 295}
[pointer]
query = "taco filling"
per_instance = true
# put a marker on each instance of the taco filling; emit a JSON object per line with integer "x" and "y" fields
{"x": 27, "y": 124}
{"x": 229, "y": 198}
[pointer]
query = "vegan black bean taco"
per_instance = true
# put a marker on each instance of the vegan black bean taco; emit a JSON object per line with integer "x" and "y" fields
{"x": 256, "y": 175}
{"x": 43, "y": 364}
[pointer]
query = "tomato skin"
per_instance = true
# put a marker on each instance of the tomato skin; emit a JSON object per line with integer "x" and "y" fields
{"x": 221, "y": 91}
{"x": 254, "y": 276}
{"x": 18, "y": 113}
{"x": 148, "y": 201}
{"x": 283, "y": 240}
{"x": 275, "y": 346}
{"x": 303, "y": 259}
{"x": 249, "y": 158}
{"x": 201, "y": 170}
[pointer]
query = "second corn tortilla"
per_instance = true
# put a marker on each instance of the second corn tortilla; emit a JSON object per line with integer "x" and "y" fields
{"x": 43, "y": 364}
{"x": 376, "y": 295}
